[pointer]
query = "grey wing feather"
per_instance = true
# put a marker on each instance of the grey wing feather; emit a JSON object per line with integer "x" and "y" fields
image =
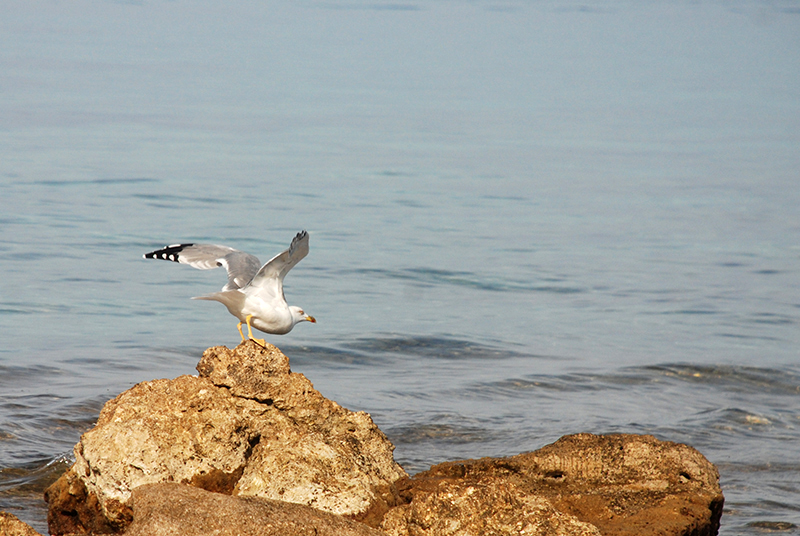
{"x": 277, "y": 267}
{"x": 241, "y": 266}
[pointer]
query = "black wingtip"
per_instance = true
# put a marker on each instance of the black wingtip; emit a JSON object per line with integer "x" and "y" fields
{"x": 169, "y": 253}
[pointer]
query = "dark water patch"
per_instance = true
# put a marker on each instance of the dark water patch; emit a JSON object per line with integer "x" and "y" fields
{"x": 654, "y": 379}
{"x": 515, "y": 198}
{"x": 333, "y": 356}
{"x": 431, "y": 347}
{"x": 436, "y": 277}
{"x": 106, "y": 362}
{"x": 372, "y": 7}
{"x": 736, "y": 378}
{"x": 86, "y": 280}
{"x": 784, "y": 468}
{"x": 773, "y": 319}
{"x": 729, "y": 335}
{"x": 411, "y": 203}
{"x": 585, "y": 8}
{"x": 17, "y": 375}
{"x": 30, "y": 255}
{"x": 179, "y": 202}
{"x": 541, "y": 384}
{"x": 441, "y": 433}
{"x": 772, "y": 526}
{"x": 78, "y": 182}
{"x": 558, "y": 384}
{"x": 691, "y": 312}
{"x": 395, "y": 7}
{"x": 21, "y": 219}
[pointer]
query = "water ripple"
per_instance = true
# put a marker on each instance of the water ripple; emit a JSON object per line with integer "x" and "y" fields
{"x": 432, "y": 276}
{"x": 430, "y": 347}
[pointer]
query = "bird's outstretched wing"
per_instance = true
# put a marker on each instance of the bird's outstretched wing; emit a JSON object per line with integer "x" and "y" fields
{"x": 270, "y": 276}
{"x": 241, "y": 266}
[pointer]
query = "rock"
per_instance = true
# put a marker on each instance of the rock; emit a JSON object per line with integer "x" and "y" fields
{"x": 180, "y": 510}
{"x": 10, "y": 525}
{"x": 72, "y": 509}
{"x": 248, "y": 447}
{"x": 486, "y": 508}
{"x": 247, "y": 426}
{"x": 582, "y": 484}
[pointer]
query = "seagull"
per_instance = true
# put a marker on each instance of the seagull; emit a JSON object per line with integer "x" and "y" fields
{"x": 253, "y": 295}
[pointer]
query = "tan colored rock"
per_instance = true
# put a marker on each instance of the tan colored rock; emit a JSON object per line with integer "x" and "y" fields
{"x": 247, "y": 426}
{"x": 11, "y": 525}
{"x": 486, "y": 509}
{"x": 345, "y": 467}
{"x": 179, "y": 510}
{"x": 616, "y": 484}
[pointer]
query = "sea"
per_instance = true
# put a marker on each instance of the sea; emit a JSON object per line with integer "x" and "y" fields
{"x": 527, "y": 219}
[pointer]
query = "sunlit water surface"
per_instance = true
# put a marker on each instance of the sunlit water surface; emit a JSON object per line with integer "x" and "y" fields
{"x": 527, "y": 219}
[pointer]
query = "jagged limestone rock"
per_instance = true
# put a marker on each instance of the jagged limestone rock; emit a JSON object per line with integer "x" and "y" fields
{"x": 247, "y": 426}
{"x": 11, "y": 525}
{"x": 618, "y": 484}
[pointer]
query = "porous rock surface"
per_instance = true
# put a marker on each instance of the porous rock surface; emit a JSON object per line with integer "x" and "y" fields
{"x": 583, "y": 484}
{"x": 282, "y": 459}
{"x": 246, "y": 426}
{"x": 170, "y": 509}
{"x": 11, "y": 525}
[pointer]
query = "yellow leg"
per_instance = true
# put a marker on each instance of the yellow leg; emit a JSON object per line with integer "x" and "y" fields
{"x": 239, "y": 327}
{"x": 260, "y": 342}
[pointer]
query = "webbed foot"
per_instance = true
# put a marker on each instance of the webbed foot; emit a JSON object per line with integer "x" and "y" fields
{"x": 261, "y": 342}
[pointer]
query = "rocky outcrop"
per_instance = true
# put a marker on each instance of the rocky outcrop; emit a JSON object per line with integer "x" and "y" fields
{"x": 582, "y": 484}
{"x": 247, "y": 426}
{"x": 10, "y": 525}
{"x": 282, "y": 459}
{"x": 179, "y": 510}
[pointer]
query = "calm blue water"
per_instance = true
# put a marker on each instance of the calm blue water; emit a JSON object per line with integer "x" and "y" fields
{"x": 527, "y": 219}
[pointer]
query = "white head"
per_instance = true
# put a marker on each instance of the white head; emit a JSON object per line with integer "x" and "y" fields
{"x": 298, "y": 315}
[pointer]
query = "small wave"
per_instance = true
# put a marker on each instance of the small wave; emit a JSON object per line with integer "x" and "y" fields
{"x": 180, "y": 202}
{"x": 430, "y": 347}
{"x": 439, "y": 433}
{"x": 541, "y": 384}
{"x": 733, "y": 377}
{"x": 14, "y": 374}
{"x": 34, "y": 476}
{"x": 726, "y": 377}
{"x": 75, "y": 182}
{"x": 329, "y": 354}
{"x": 773, "y": 319}
{"x": 772, "y": 526}
{"x": 430, "y": 276}
{"x": 22, "y": 487}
